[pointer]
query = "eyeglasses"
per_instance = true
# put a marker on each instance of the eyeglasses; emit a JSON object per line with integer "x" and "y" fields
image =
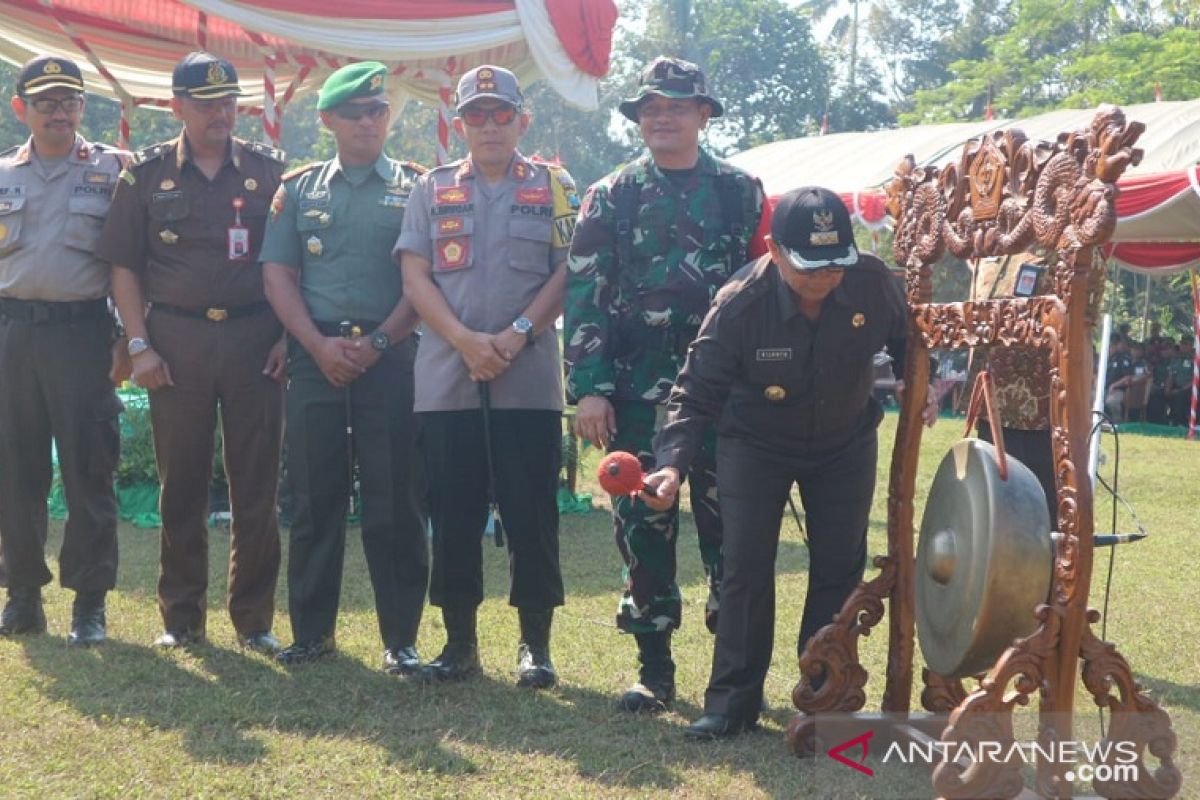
{"x": 356, "y": 111}
{"x": 477, "y": 117}
{"x": 48, "y": 105}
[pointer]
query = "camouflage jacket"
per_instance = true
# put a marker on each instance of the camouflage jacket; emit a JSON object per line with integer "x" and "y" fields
{"x": 628, "y": 323}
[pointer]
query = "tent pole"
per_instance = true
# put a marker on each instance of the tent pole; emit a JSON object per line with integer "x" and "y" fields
{"x": 1146, "y": 309}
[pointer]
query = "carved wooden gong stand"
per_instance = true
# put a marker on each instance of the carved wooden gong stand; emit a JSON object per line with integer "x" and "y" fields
{"x": 1007, "y": 194}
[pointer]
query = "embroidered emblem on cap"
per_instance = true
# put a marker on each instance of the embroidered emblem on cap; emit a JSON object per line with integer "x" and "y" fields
{"x": 314, "y": 246}
{"x": 775, "y": 393}
{"x": 376, "y": 81}
{"x": 52, "y": 68}
{"x": 485, "y": 80}
{"x": 216, "y": 74}
{"x": 824, "y": 234}
{"x": 166, "y": 185}
{"x": 168, "y": 236}
{"x": 250, "y": 184}
{"x": 858, "y": 320}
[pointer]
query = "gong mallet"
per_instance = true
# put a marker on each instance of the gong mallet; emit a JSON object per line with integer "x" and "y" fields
{"x": 485, "y": 405}
{"x": 349, "y": 330}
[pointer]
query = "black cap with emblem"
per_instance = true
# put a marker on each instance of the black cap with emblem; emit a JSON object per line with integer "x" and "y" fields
{"x": 203, "y": 76}
{"x": 48, "y": 72}
{"x": 812, "y": 227}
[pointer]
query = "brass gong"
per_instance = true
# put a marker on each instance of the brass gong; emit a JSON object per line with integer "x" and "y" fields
{"x": 984, "y": 560}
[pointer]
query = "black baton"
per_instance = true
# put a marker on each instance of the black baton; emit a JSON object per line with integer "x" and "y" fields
{"x": 485, "y": 404}
{"x": 349, "y": 330}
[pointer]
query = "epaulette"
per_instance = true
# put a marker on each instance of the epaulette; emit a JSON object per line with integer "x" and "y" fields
{"x": 415, "y": 167}
{"x": 744, "y": 287}
{"x": 449, "y": 165}
{"x": 266, "y": 150}
{"x": 298, "y": 171}
{"x": 10, "y": 151}
{"x": 154, "y": 151}
{"x": 124, "y": 157}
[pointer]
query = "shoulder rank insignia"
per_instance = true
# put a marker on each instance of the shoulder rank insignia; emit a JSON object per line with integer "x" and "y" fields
{"x": 415, "y": 167}
{"x": 264, "y": 149}
{"x": 298, "y": 171}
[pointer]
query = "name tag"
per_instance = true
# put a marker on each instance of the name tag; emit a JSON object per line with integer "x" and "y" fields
{"x": 773, "y": 354}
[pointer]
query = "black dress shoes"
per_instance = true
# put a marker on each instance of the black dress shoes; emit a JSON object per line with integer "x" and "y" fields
{"x": 718, "y": 726}
{"x": 260, "y": 642}
{"x": 648, "y": 697}
{"x": 457, "y": 662}
{"x": 305, "y": 652}
{"x": 88, "y": 624}
{"x": 171, "y": 640}
{"x": 23, "y": 613}
{"x": 401, "y": 661}
{"x": 534, "y": 668}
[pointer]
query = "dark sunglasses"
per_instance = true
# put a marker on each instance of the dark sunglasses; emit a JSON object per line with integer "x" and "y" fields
{"x": 476, "y": 117}
{"x": 356, "y": 111}
{"x": 48, "y": 105}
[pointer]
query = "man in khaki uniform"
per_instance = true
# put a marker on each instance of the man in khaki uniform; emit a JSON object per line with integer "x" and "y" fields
{"x": 183, "y": 235}
{"x": 55, "y": 337}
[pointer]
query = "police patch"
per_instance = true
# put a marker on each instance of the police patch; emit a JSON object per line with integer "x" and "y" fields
{"x": 773, "y": 354}
{"x": 453, "y": 253}
{"x": 538, "y": 196}
{"x": 89, "y": 176}
{"x": 452, "y": 195}
{"x": 450, "y": 225}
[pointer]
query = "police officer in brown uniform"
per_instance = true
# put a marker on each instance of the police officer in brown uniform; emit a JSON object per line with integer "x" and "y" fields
{"x": 183, "y": 236}
{"x": 484, "y": 245}
{"x": 55, "y": 337}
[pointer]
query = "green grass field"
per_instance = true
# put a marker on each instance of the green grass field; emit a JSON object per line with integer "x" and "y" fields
{"x": 125, "y": 720}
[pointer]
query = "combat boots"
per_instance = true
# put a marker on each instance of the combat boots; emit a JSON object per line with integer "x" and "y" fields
{"x": 459, "y": 659}
{"x": 534, "y": 668}
{"x": 655, "y": 688}
{"x": 88, "y": 625}
{"x": 23, "y": 613}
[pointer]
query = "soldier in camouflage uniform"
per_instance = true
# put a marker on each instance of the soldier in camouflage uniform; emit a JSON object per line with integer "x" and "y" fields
{"x": 655, "y": 240}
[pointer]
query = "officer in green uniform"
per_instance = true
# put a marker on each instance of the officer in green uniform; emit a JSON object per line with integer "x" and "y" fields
{"x": 55, "y": 340}
{"x": 183, "y": 234}
{"x": 329, "y": 274}
{"x": 655, "y": 241}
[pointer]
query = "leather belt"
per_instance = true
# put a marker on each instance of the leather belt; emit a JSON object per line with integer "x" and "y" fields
{"x": 45, "y": 312}
{"x": 214, "y": 313}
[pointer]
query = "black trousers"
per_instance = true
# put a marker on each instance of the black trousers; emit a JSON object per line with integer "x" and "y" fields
{"x": 526, "y": 452}
{"x": 836, "y": 489}
{"x": 54, "y": 385}
{"x": 392, "y": 486}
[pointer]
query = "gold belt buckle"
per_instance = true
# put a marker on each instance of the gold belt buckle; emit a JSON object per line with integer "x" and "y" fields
{"x": 216, "y": 315}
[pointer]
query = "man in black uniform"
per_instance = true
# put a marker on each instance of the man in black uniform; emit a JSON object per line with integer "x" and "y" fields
{"x": 783, "y": 365}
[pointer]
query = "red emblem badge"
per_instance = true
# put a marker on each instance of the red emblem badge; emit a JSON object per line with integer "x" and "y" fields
{"x": 452, "y": 195}
{"x": 450, "y": 225}
{"x": 453, "y": 253}
{"x": 539, "y": 196}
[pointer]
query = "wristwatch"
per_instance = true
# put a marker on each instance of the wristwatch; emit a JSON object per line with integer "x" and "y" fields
{"x": 524, "y": 326}
{"x": 136, "y": 345}
{"x": 381, "y": 341}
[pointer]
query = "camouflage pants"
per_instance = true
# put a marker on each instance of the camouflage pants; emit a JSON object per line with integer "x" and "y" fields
{"x": 647, "y": 538}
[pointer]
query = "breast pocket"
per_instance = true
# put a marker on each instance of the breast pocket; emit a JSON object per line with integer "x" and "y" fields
{"x": 386, "y": 230}
{"x": 529, "y": 244}
{"x": 453, "y": 244}
{"x": 168, "y": 212}
{"x": 85, "y": 220}
{"x": 11, "y": 215}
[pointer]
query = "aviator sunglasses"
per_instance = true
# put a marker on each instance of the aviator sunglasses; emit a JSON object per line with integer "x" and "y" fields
{"x": 476, "y": 117}
{"x": 356, "y": 111}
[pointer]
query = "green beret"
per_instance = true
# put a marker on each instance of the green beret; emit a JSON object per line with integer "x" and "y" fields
{"x": 361, "y": 79}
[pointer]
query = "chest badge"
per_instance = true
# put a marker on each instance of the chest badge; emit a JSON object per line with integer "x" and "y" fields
{"x": 775, "y": 393}
{"x": 858, "y": 320}
{"x": 250, "y": 184}
{"x": 454, "y": 254}
{"x": 166, "y": 185}
{"x": 168, "y": 236}
{"x": 315, "y": 246}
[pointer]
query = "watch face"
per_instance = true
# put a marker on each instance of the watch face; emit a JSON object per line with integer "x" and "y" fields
{"x": 522, "y": 325}
{"x": 380, "y": 340}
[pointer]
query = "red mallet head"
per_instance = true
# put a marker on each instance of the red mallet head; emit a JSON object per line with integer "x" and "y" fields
{"x": 620, "y": 473}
